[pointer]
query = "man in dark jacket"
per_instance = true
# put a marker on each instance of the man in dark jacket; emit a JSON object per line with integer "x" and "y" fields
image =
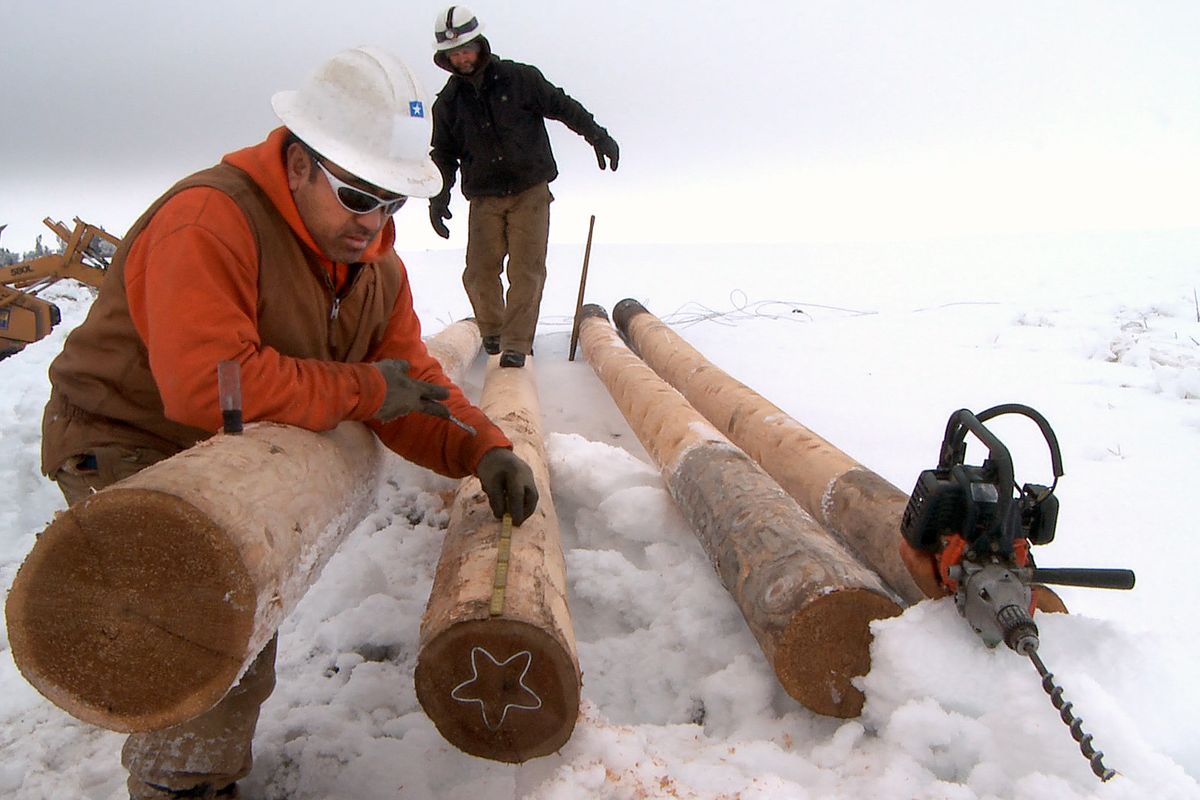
{"x": 489, "y": 121}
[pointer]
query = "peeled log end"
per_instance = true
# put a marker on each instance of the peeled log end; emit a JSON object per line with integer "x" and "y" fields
{"x": 133, "y": 611}
{"x": 923, "y": 568}
{"x": 499, "y": 688}
{"x": 1048, "y": 600}
{"x": 825, "y": 645}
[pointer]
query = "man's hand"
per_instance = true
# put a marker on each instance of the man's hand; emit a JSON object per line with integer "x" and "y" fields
{"x": 439, "y": 209}
{"x": 606, "y": 146}
{"x": 405, "y": 395}
{"x": 509, "y": 484}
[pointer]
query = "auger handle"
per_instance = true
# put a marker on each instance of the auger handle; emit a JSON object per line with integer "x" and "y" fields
{"x": 1080, "y": 576}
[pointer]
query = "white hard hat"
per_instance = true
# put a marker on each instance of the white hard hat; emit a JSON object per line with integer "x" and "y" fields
{"x": 365, "y": 111}
{"x": 456, "y": 26}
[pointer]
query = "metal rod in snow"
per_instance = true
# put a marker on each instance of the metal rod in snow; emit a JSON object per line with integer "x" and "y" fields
{"x": 587, "y": 252}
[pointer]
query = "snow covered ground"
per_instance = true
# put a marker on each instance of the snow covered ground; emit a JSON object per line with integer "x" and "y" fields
{"x": 872, "y": 347}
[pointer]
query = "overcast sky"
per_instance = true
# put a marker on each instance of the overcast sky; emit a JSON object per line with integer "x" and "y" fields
{"x": 799, "y": 120}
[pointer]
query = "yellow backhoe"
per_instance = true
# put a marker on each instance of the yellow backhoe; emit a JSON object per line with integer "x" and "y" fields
{"x": 25, "y": 317}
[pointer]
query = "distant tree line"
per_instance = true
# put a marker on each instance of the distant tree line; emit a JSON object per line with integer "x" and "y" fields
{"x": 9, "y": 257}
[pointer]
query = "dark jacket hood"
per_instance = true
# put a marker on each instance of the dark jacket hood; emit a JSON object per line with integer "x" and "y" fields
{"x": 485, "y": 55}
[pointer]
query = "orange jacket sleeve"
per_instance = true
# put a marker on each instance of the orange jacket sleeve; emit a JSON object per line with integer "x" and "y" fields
{"x": 429, "y": 441}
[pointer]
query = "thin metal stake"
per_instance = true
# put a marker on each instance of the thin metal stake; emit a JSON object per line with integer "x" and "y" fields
{"x": 587, "y": 253}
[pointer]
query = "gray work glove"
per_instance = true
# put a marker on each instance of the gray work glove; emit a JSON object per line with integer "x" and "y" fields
{"x": 509, "y": 484}
{"x": 606, "y": 146}
{"x": 439, "y": 209}
{"x": 405, "y": 394}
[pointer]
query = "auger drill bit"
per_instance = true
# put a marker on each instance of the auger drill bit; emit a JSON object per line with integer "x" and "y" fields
{"x": 1095, "y": 757}
{"x": 1014, "y": 625}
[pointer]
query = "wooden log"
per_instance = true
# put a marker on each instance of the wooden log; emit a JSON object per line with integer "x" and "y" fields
{"x": 497, "y": 670}
{"x": 807, "y": 599}
{"x": 140, "y": 607}
{"x": 455, "y": 347}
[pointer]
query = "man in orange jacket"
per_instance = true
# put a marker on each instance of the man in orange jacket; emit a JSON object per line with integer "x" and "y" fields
{"x": 279, "y": 259}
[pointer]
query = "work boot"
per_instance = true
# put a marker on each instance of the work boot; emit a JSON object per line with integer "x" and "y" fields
{"x": 491, "y": 345}
{"x": 511, "y": 358}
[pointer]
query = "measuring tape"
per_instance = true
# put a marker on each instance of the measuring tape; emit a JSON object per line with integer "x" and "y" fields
{"x": 503, "y": 550}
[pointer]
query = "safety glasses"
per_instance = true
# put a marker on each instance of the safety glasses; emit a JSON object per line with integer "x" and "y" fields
{"x": 355, "y": 200}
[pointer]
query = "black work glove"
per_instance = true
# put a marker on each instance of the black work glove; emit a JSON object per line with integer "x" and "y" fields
{"x": 509, "y": 484}
{"x": 405, "y": 394}
{"x": 439, "y": 209}
{"x": 607, "y": 146}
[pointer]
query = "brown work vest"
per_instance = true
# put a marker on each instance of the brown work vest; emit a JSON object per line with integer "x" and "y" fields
{"x": 102, "y": 390}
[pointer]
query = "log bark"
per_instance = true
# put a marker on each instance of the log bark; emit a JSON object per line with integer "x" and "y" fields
{"x": 498, "y": 671}
{"x": 140, "y": 607}
{"x": 807, "y": 599}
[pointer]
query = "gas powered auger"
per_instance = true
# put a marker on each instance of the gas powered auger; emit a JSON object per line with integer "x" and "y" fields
{"x": 979, "y": 529}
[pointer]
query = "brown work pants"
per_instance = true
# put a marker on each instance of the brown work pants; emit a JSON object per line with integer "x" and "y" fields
{"x": 206, "y": 753}
{"x": 516, "y": 226}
